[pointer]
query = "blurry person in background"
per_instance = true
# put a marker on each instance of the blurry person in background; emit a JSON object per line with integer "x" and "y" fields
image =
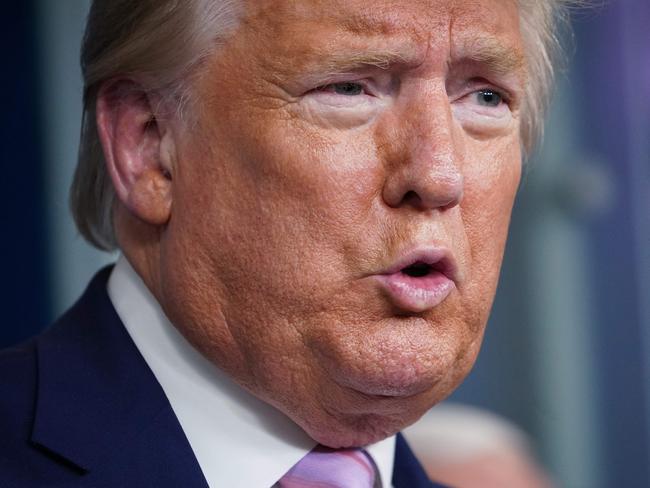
{"x": 467, "y": 447}
{"x": 311, "y": 201}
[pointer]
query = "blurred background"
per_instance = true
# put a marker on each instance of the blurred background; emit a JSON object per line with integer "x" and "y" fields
{"x": 567, "y": 350}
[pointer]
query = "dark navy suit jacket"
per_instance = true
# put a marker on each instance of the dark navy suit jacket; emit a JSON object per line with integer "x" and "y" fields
{"x": 79, "y": 407}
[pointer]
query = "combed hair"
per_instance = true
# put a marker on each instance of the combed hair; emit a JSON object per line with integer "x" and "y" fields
{"x": 162, "y": 42}
{"x": 542, "y": 23}
{"x": 158, "y": 42}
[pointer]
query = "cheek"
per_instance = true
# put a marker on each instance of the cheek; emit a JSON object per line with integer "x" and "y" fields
{"x": 317, "y": 173}
{"x": 491, "y": 187}
{"x": 306, "y": 202}
{"x": 312, "y": 195}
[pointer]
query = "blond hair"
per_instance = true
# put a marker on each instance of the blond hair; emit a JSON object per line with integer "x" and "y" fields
{"x": 161, "y": 42}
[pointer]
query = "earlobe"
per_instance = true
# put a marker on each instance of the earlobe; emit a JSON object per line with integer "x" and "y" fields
{"x": 139, "y": 162}
{"x": 150, "y": 197}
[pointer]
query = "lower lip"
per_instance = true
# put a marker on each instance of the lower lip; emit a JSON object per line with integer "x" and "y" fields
{"x": 416, "y": 294}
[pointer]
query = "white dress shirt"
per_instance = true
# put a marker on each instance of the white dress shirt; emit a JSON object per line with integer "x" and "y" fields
{"x": 238, "y": 440}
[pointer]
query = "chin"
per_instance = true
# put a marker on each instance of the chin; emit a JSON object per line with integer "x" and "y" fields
{"x": 394, "y": 372}
{"x": 394, "y": 380}
{"x": 349, "y": 418}
{"x": 357, "y": 431}
{"x": 366, "y": 408}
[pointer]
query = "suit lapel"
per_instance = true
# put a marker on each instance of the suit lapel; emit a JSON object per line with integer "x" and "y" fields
{"x": 99, "y": 406}
{"x": 407, "y": 472}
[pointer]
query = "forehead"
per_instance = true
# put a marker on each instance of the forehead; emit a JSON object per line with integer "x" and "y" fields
{"x": 420, "y": 25}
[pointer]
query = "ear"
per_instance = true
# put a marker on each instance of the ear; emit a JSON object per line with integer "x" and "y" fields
{"x": 138, "y": 149}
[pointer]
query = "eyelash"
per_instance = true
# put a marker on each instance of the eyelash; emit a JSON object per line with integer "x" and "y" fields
{"x": 324, "y": 88}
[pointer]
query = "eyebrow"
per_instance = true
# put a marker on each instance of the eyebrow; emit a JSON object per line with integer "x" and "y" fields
{"x": 486, "y": 50}
{"x": 405, "y": 51}
{"x": 353, "y": 61}
{"x": 498, "y": 58}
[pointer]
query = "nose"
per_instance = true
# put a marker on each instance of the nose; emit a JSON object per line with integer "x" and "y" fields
{"x": 425, "y": 162}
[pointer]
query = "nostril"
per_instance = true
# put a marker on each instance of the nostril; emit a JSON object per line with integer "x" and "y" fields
{"x": 412, "y": 198}
{"x": 417, "y": 270}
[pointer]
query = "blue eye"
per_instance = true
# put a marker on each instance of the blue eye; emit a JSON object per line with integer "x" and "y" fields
{"x": 489, "y": 98}
{"x": 348, "y": 89}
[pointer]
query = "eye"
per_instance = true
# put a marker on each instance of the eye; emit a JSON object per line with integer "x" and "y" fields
{"x": 489, "y": 98}
{"x": 482, "y": 109}
{"x": 347, "y": 88}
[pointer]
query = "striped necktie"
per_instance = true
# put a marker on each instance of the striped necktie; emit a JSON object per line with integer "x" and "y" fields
{"x": 333, "y": 468}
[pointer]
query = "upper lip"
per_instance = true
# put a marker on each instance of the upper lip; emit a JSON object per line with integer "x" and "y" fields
{"x": 438, "y": 258}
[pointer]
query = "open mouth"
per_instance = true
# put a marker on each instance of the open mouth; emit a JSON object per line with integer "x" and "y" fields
{"x": 418, "y": 270}
{"x": 420, "y": 280}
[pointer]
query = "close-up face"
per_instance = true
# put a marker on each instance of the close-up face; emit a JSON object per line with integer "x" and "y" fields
{"x": 341, "y": 201}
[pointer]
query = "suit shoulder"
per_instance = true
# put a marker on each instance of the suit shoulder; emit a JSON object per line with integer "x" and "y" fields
{"x": 17, "y": 404}
{"x": 17, "y": 379}
{"x": 17, "y": 389}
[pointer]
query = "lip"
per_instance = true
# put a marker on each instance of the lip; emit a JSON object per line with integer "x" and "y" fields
{"x": 417, "y": 294}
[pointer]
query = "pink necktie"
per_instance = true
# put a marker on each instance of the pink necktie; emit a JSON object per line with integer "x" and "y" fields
{"x": 332, "y": 468}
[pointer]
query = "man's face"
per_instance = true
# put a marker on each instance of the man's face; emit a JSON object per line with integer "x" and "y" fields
{"x": 341, "y": 205}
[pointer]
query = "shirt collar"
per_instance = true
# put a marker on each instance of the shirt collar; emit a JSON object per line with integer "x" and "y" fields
{"x": 238, "y": 440}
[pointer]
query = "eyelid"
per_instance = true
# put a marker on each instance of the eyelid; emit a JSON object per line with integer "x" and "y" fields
{"x": 365, "y": 85}
{"x": 505, "y": 95}
{"x": 375, "y": 82}
{"x": 509, "y": 96}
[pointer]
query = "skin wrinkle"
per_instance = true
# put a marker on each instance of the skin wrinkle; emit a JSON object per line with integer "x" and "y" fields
{"x": 497, "y": 58}
{"x": 283, "y": 209}
{"x": 175, "y": 71}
